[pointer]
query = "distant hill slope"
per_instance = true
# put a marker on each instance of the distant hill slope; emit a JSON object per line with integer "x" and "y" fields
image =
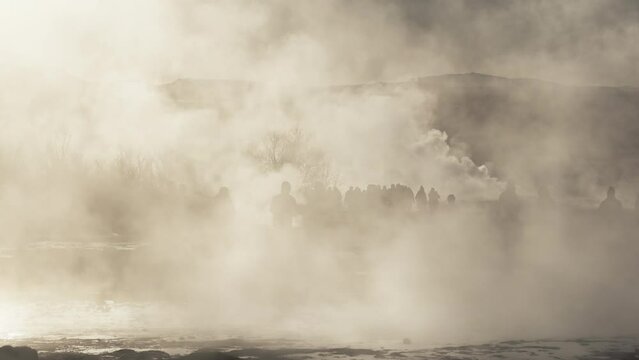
{"x": 542, "y": 129}
{"x": 530, "y": 130}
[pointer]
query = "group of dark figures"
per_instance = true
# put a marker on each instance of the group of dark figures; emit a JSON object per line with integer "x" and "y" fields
{"x": 326, "y": 206}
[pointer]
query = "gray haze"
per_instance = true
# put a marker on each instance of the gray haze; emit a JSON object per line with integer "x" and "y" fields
{"x": 578, "y": 42}
{"x": 118, "y": 118}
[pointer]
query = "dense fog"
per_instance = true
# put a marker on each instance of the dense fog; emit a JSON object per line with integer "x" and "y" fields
{"x": 144, "y": 145}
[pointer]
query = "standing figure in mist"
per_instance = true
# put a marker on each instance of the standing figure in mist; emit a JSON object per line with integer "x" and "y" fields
{"x": 611, "y": 206}
{"x": 421, "y": 200}
{"x": 509, "y": 209}
{"x": 451, "y": 200}
{"x": 509, "y": 205}
{"x": 433, "y": 199}
{"x": 284, "y": 207}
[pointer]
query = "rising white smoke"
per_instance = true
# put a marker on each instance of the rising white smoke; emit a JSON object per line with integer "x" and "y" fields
{"x": 93, "y": 147}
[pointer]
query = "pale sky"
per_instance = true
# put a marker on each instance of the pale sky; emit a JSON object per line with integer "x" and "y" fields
{"x": 575, "y": 42}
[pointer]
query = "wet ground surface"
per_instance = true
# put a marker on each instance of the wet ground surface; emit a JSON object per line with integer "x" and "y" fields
{"x": 105, "y": 315}
{"x": 198, "y": 349}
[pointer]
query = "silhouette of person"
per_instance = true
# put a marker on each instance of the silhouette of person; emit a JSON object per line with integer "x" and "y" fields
{"x": 421, "y": 200}
{"x": 407, "y": 198}
{"x": 509, "y": 218}
{"x": 509, "y": 203}
{"x": 611, "y": 205}
{"x": 374, "y": 199}
{"x": 433, "y": 198}
{"x": 284, "y": 207}
{"x": 335, "y": 198}
{"x": 450, "y": 199}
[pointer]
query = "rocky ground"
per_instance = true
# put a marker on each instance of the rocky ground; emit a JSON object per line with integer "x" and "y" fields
{"x": 154, "y": 349}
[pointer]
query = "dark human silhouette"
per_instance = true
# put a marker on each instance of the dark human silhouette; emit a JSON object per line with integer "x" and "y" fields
{"x": 509, "y": 205}
{"x": 611, "y": 205}
{"x": 406, "y": 198}
{"x": 450, "y": 199}
{"x": 509, "y": 219}
{"x": 374, "y": 199}
{"x": 433, "y": 199}
{"x": 284, "y": 207}
{"x": 421, "y": 200}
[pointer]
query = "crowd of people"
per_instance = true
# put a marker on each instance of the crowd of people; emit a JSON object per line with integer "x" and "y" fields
{"x": 327, "y": 205}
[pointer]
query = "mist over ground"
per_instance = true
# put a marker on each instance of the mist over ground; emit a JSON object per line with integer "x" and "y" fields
{"x": 142, "y": 145}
